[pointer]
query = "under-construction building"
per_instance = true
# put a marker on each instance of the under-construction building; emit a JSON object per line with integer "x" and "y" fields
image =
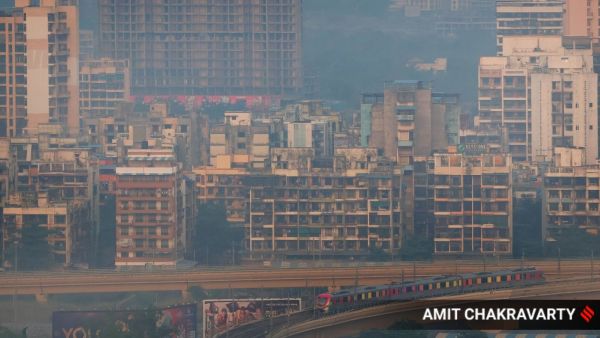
{"x": 206, "y": 47}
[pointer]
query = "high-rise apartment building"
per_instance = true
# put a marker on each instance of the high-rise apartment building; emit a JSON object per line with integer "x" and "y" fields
{"x": 240, "y": 141}
{"x": 369, "y": 102}
{"x": 570, "y": 201}
{"x": 508, "y": 102}
{"x": 41, "y": 68}
{"x": 103, "y": 85}
{"x": 564, "y": 112}
{"x": 87, "y": 45}
{"x": 409, "y": 120}
{"x": 346, "y": 208}
{"x": 472, "y": 204}
{"x": 527, "y": 17}
{"x": 582, "y": 18}
{"x": 204, "y": 47}
{"x": 150, "y": 210}
{"x": 13, "y": 93}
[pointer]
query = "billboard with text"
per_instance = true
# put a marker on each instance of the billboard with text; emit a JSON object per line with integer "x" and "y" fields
{"x": 173, "y": 322}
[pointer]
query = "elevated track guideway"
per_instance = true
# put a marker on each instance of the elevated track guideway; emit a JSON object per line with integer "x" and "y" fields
{"x": 309, "y": 323}
{"x": 252, "y": 278}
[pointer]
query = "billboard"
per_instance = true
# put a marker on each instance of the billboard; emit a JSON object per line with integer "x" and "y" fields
{"x": 173, "y": 322}
{"x": 197, "y": 101}
{"x": 221, "y": 314}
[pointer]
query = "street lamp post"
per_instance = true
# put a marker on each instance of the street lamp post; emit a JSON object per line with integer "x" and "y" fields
{"x": 16, "y": 243}
{"x": 559, "y": 260}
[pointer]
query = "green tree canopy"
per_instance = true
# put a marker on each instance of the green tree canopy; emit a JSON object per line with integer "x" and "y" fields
{"x": 416, "y": 248}
{"x": 32, "y": 250}
{"x": 214, "y": 234}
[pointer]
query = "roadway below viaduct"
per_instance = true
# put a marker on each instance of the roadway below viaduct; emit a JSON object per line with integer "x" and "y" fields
{"x": 81, "y": 282}
{"x": 384, "y": 316}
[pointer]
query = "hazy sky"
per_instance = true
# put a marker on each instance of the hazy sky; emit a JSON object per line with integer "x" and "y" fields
{"x": 353, "y": 46}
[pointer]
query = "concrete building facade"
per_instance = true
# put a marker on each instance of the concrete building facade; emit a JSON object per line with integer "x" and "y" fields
{"x": 52, "y": 42}
{"x": 527, "y": 18}
{"x": 203, "y": 47}
{"x": 103, "y": 85}
{"x": 13, "y": 93}
{"x": 149, "y": 219}
{"x": 582, "y": 18}
{"x": 472, "y": 204}
{"x": 240, "y": 141}
{"x": 570, "y": 200}
{"x": 348, "y": 208}
{"x": 506, "y": 96}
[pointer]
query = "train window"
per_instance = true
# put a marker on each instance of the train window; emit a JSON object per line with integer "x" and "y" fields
{"x": 478, "y": 280}
{"x": 447, "y": 284}
{"x": 508, "y": 278}
{"x": 489, "y": 280}
{"x": 518, "y": 276}
{"x": 421, "y": 287}
{"x": 498, "y": 279}
{"x": 437, "y": 285}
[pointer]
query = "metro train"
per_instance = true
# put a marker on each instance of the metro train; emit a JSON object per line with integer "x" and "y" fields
{"x": 332, "y": 302}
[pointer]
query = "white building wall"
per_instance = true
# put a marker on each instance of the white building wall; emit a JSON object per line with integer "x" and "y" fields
{"x": 583, "y": 110}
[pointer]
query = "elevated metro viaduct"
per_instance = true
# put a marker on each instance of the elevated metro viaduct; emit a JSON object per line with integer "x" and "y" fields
{"x": 43, "y": 284}
{"x": 384, "y": 316}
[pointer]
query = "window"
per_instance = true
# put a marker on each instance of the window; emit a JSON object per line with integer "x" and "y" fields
{"x": 60, "y": 219}
{"x": 139, "y": 243}
{"x": 152, "y": 231}
{"x": 164, "y": 243}
{"x": 124, "y": 254}
{"x": 125, "y": 231}
{"x": 164, "y": 230}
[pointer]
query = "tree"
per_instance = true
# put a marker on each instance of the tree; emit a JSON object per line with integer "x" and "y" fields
{"x": 214, "y": 236}
{"x": 32, "y": 250}
{"x": 6, "y": 333}
{"x": 416, "y": 248}
{"x": 527, "y": 220}
{"x": 572, "y": 243}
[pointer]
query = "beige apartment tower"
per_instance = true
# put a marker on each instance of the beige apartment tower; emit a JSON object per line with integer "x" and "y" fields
{"x": 41, "y": 68}
{"x": 582, "y": 18}
{"x": 528, "y": 18}
{"x": 103, "y": 85}
{"x": 13, "y": 93}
